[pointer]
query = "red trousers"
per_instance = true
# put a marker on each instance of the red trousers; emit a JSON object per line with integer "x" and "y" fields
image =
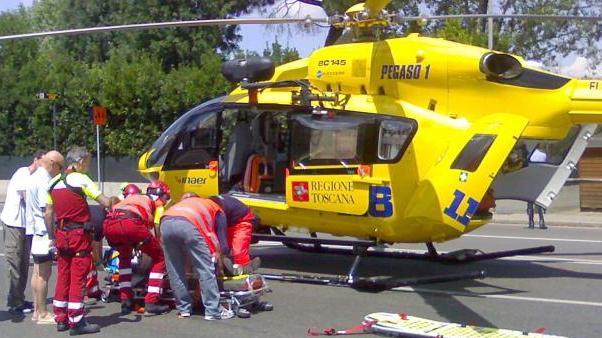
{"x": 73, "y": 264}
{"x": 239, "y": 239}
{"x": 125, "y": 235}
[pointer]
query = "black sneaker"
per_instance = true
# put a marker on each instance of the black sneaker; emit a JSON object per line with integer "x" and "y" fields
{"x": 126, "y": 307}
{"x": 83, "y": 327}
{"x": 27, "y": 307}
{"x": 252, "y": 266}
{"x": 61, "y": 327}
{"x": 155, "y": 309}
{"x": 21, "y": 310}
{"x": 229, "y": 269}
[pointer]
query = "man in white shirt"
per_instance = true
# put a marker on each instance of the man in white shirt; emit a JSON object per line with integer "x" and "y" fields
{"x": 16, "y": 243}
{"x": 36, "y": 194}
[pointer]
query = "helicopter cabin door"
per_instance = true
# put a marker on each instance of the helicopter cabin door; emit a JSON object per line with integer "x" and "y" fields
{"x": 543, "y": 166}
{"x": 453, "y": 189}
{"x": 325, "y": 160}
{"x": 191, "y": 165}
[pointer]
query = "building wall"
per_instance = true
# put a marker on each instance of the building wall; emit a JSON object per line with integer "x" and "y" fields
{"x": 590, "y": 166}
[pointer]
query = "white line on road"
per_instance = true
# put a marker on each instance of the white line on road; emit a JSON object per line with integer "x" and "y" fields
{"x": 555, "y": 226}
{"x": 537, "y": 238}
{"x": 476, "y": 295}
{"x": 553, "y": 259}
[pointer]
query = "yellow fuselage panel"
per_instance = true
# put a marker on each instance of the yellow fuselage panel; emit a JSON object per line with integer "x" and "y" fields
{"x": 438, "y": 84}
{"x": 403, "y": 68}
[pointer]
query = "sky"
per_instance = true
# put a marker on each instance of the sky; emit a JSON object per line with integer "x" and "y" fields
{"x": 255, "y": 37}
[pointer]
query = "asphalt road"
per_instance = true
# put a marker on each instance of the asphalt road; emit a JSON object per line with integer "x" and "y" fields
{"x": 559, "y": 292}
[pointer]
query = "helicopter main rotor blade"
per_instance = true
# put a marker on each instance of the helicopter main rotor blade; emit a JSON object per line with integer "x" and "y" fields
{"x": 402, "y": 18}
{"x": 192, "y": 23}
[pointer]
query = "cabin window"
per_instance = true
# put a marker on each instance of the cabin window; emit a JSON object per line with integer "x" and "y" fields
{"x": 349, "y": 139}
{"x": 338, "y": 140}
{"x": 328, "y": 144}
{"x": 473, "y": 153}
{"x": 392, "y": 138}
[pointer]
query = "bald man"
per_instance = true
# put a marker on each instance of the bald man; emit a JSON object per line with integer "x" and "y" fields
{"x": 50, "y": 165}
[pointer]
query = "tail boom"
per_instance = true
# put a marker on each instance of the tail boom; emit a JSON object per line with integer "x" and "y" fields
{"x": 586, "y": 102}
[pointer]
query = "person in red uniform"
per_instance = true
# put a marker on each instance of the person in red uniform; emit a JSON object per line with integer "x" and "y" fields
{"x": 129, "y": 226}
{"x": 98, "y": 215}
{"x": 73, "y": 240}
{"x": 240, "y": 221}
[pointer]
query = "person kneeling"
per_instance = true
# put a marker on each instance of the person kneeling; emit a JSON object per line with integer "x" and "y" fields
{"x": 128, "y": 227}
{"x": 240, "y": 222}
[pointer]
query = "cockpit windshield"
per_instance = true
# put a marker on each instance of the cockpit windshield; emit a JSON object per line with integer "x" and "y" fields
{"x": 163, "y": 144}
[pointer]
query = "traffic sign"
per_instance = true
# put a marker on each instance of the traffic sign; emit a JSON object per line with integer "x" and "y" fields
{"x": 99, "y": 114}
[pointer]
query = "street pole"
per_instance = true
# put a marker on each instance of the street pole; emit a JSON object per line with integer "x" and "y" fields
{"x": 54, "y": 123}
{"x": 98, "y": 156}
{"x": 99, "y": 115}
{"x": 490, "y": 24}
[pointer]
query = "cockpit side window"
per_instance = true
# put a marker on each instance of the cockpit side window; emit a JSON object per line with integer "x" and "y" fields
{"x": 161, "y": 147}
{"x": 196, "y": 144}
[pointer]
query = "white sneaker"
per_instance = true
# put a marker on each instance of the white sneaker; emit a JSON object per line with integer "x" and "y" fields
{"x": 224, "y": 314}
{"x": 183, "y": 315}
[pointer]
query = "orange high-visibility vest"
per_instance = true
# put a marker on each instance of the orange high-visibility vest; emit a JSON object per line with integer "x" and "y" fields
{"x": 201, "y": 213}
{"x": 140, "y": 205}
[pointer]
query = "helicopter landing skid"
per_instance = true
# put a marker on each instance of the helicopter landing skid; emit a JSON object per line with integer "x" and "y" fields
{"x": 370, "y": 284}
{"x": 369, "y": 248}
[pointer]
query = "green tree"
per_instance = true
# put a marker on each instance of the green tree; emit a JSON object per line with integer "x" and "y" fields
{"x": 279, "y": 54}
{"x": 145, "y": 78}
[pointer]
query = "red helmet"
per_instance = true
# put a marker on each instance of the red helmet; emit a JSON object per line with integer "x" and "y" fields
{"x": 159, "y": 189}
{"x": 130, "y": 189}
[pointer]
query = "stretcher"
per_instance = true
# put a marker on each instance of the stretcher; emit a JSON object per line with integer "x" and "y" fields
{"x": 401, "y": 325}
{"x": 242, "y": 294}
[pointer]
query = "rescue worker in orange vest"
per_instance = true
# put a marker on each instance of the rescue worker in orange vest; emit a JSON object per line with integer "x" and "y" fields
{"x": 241, "y": 222}
{"x": 98, "y": 215}
{"x": 129, "y": 226}
{"x": 73, "y": 239}
{"x": 189, "y": 228}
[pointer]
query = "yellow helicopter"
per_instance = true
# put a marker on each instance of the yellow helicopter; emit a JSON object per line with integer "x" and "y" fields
{"x": 393, "y": 139}
{"x": 383, "y": 139}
